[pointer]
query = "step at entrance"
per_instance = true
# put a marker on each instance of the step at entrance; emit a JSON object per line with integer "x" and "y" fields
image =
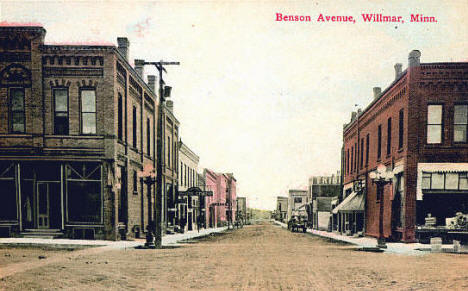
{"x": 42, "y": 233}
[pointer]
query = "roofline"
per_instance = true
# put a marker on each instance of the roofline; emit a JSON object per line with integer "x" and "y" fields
{"x": 375, "y": 100}
{"x": 347, "y": 126}
{"x": 185, "y": 147}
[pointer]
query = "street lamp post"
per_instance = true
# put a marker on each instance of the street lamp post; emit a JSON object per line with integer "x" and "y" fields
{"x": 381, "y": 177}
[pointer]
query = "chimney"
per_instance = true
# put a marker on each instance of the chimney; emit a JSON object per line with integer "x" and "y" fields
{"x": 397, "y": 70}
{"x": 152, "y": 82}
{"x": 170, "y": 105}
{"x": 123, "y": 46}
{"x": 413, "y": 58}
{"x": 377, "y": 91}
{"x": 353, "y": 115}
{"x": 139, "y": 65}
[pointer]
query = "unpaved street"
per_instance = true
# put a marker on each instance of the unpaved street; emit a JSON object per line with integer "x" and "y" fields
{"x": 260, "y": 257}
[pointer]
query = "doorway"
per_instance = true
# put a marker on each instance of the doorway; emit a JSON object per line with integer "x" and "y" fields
{"x": 48, "y": 205}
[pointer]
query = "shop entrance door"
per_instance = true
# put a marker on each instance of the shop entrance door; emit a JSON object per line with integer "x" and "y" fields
{"x": 43, "y": 205}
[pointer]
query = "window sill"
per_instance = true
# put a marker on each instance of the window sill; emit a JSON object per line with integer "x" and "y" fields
{"x": 135, "y": 192}
{"x": 400, "y": 150}
{"x": 134, "y": 149}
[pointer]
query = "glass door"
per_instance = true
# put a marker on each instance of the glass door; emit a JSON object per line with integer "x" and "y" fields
{"x": 43, "y": 218}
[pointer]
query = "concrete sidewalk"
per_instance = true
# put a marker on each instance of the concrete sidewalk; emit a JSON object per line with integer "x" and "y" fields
{"x": 367, "y": 242}
{"x": 167, "y": 240}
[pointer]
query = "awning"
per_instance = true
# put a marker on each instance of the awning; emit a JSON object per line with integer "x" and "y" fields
{"x": 353, "y": 202}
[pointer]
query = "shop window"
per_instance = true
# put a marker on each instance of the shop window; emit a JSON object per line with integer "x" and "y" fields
{"x": 451, "y": 181}
{"x": 88, "y": 111}
{"x": 434, "y": 124}
{"x": 460, "y": 123}
{"x": 61, "y": 111}
{"x": 463, "y": 181}
{"x": 437, "y": 181}
{"x": 17, "y": 117}
{"x": 8, "y": 191}
{"x": 84, "y": 195}
{"x": 426, "y": 181}
{"x": 445, "y": 181}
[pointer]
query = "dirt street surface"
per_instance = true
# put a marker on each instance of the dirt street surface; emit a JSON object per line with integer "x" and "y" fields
{"x": 259, "y": 257}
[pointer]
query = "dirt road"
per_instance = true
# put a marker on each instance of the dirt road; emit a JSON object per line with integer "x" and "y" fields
{"x": 261, "y": 257}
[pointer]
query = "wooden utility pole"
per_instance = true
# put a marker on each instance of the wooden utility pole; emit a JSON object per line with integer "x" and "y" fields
{"x": 158, "y": 221}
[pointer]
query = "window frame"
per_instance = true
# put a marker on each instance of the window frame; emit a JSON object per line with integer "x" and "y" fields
{"x": 120, "y": 116}
{"x": 401, "y": 128}
{"x": 389, "y": 136}
{"x": 11, "y": 111}
{"x": 88, "y": 112}
{"x": 465, "y": 124}
{"x": 434, "y": 124}
{"x": 148, "y": 136}
{"x": 134, "y": 127}
{"x": 379, "y": 142}
{"x": 54, "y": 89}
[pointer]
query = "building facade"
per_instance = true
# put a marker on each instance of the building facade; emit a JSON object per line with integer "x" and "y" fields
{"x": 221, "y": 207}
{"x": 281, "y": 208}
{"x": 417, "y": 129}
{"x": 297, "y": 201}
{"x": 188, "y": 206}
{"x": 78, "y": 125}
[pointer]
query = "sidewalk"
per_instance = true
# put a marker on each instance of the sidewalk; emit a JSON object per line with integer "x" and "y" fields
{"x": 366, "y": 242}
{"x": 167, "y": 240}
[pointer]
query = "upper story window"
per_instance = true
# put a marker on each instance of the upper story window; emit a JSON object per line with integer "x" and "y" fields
{"x": 367, "y": 149}
{"x": 434, "y": 123}
{"x": 169, "y": 151}
{"x": 347, "y": 161}
{"x": 88, "y": 111}
{"x": 120, "y": 117}
{"x": 400, "y": 128}
{"x": 135, "y": 183}
{"x": 134, "y": 126}
{"x": 389, "y": 136}
{"x": 61, "y": 123}
{"x": 460, "y": 123}
{"x": 361, "y": 149}
{"x": 17, "y": 115}
{"x": 379, "y": 142}
{"x": 148, "y": 136}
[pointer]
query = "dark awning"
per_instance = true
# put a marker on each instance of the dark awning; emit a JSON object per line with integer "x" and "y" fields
{"x": 353, "y": 203}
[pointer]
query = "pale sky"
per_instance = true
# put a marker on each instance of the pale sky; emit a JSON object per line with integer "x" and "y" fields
{"x": 262, "y": 99}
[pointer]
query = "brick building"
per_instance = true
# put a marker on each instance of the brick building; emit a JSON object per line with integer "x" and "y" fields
{"x": 77, "y": 126}
{"x": 221, "y": 207}
{"x": 189, "y": 207}
{"x": 416, "y": 128}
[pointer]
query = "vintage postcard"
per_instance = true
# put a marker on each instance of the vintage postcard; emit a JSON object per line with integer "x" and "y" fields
{"x": 233, "y": 145}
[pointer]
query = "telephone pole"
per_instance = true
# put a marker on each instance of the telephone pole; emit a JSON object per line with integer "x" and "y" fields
{"x": 163, "y": 93}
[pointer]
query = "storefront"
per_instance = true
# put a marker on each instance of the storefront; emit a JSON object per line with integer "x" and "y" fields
{"x": 65, "y": 197}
